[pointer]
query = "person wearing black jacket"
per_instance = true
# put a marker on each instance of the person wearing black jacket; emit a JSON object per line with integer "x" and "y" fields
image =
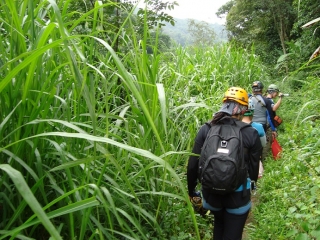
{"x": 230, "y": 210}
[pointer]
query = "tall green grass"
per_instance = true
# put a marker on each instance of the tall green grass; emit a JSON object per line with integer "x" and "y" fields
{"x": 94, "y": 143}
{"x": 81, "y": 141}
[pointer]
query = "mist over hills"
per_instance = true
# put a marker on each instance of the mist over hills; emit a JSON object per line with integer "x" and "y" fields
{"x": 179, "y": 32}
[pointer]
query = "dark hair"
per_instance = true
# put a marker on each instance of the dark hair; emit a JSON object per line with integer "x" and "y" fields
{"x": 218, "y": 116}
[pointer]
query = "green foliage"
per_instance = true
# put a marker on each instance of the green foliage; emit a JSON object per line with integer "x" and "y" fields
{"x": 95, "y": 142}
{"x": 289, "y": 191}
{"x": 298, "y": 59}
{"x": 160, "y": 40}
{"x": 310, "y": 36}
{"x": 97, "y": 155}
{"x": 201, "y": 33}
{"x": 155, "y": 12}
{"x": 281, "y": 212}
{"x": 62, "y": 110}
{"x": 275, "y": 29}
{"x": 225, "y": 9}
{"x": 264, "y": 24}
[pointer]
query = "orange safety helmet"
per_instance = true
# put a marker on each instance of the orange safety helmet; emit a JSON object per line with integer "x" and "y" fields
{"x": 236, "y": 94}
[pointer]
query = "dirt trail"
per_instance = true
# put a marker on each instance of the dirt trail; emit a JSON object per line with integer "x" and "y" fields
{"x": 254, "y": 200}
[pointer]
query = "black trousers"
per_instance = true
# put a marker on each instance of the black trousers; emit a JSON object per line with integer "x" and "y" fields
{"x": 228, "y": 226}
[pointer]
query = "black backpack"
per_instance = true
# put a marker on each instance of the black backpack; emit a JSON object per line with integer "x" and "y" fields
{"x": 222, "y": 167}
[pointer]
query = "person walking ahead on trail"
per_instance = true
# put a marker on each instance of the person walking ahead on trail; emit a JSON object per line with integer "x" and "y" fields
{"x": 273, "y": 91}
{"x": 247, "y": 118}
{"x": 261, "y": 105}
{"x": 230, "y": 210}
{"x": 263, "y": 108}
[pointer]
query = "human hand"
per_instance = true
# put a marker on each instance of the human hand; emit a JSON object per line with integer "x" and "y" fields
{"x": 196, "y": 201}
{"x": 281, "y": 95}
{"x": 253, "y": 185}
{"x": 274, "y": 134}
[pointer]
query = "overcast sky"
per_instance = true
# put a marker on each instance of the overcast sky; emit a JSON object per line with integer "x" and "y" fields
{"x": 202, "y": 10}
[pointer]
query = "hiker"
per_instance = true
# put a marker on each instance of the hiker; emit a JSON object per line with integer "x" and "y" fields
{"x": 263, "y": 110}
{"x": 230, "y": 210}
{"x": 272, "y": 92}
{"x": 247, "y": 118}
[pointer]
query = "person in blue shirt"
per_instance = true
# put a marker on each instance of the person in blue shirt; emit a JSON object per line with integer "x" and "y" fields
{"x": 272, "y": 92}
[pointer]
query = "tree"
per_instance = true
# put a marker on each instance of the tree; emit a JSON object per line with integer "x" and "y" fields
{"x": 265, "y": 24}
{"x": 115, "y": 12}
{"x": 159, "y": 41}
{"x": 225, "y": 9}
{"x": 155, "y": 13}
{"x": 283, "y": 16}
{"x": 202, "y": 34}
{"x": 307, "y": 34}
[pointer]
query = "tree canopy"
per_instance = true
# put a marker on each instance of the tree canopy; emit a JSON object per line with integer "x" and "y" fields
{"x": 202, "y": 34}
{"x": 272, "y": 27}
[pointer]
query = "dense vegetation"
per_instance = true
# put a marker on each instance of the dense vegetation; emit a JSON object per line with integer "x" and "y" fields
{"x": 275, "y": 28}
{"x": 95, "y": 131}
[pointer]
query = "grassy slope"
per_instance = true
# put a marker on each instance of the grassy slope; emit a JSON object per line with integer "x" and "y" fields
{"x": 289, "y": 193}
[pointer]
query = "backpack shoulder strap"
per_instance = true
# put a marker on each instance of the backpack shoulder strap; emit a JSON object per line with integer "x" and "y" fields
{"x": 268, "y": 102}
{"x": 270, "y": 112}
{"x": 262, "y": 104}
{"x": 244, "y": 151}
{"x": 208, "y": 124}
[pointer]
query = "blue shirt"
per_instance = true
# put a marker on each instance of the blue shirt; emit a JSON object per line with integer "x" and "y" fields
{"x": 259, "y": 128}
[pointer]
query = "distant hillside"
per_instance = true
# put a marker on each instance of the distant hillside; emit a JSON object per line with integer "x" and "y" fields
{"x": 179, "y": 32}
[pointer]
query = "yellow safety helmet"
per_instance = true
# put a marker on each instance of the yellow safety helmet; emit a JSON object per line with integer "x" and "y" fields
{"x": 236, "y": 94}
